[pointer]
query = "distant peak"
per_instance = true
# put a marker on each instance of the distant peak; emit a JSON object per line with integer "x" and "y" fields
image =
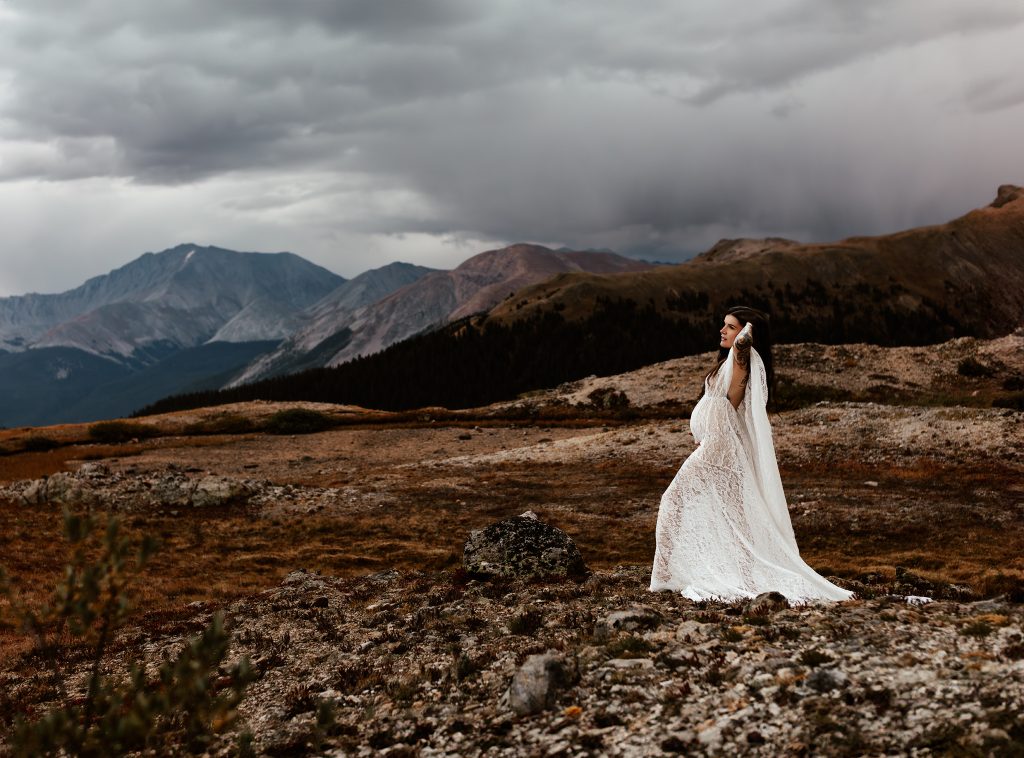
{"x": 737, "y": 249}
{"x": 1007, "y": 193}
{"x": 519, "y": 248}
{"x": 183, "y": 247}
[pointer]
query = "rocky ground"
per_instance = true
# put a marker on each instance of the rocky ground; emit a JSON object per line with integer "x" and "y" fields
{"x": 902, "y": 481}
{"x": 630, "y": 673}
{"x": 408, "y": 663}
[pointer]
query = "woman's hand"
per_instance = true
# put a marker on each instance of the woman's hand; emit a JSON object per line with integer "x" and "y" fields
{"x": 742, "y": 344}
{"x": 744, "y": 341}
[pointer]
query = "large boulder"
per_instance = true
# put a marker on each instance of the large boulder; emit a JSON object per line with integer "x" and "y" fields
{"x": 522, "y": 547}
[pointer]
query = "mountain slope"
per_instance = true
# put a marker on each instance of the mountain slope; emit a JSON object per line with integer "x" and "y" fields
{"x": 37, "y": 386}
{"x": 328, "y": 317}
{"x": 958, "y": 278}
{"x": 477, "y": 284}
{"x": 964, "y": 278}
{"x": 186, "y": 296}
{"x": 54, "y": 385}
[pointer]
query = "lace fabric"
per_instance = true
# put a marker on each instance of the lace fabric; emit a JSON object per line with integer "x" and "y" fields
{"x": 724, "y": 530}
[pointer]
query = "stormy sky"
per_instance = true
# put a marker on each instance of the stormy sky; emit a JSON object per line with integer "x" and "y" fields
{"x": 358, "y": 132}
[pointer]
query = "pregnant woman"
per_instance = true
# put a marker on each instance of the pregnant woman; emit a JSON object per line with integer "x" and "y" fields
{"x": 723, "y": 526}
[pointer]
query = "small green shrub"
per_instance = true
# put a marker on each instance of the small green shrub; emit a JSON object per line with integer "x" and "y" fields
{"x": 1013, "y": 383}
{"x": 37, "y": 443}
{"x": 1012, "y": 400}
{"x": 971, "y": 366}
{"x": 116, "y": 432}
{"x": 297, "y": 421}
{"x": 977, "y": 629}
{"x": 791, "y": 396}
{"x": 463, "y": 664}
{"x": 729, "y": 634}
{"x": 608, "y": 398}
{"x": 629, "y": 646}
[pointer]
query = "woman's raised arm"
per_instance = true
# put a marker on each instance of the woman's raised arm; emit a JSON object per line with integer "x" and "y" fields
{"x": 741, "y": 367}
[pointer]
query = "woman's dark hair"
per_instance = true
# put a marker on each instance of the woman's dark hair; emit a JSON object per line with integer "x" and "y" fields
{"x": 762, "y": 342}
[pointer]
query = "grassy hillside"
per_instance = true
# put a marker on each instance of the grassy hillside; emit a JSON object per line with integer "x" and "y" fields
{"x": 965, "y": 277}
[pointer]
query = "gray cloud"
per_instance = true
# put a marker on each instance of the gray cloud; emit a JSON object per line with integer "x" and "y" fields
{"x": 649, "y": 129}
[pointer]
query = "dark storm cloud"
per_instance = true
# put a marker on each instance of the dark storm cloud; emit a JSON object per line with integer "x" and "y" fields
{"x": 647, "y": 128}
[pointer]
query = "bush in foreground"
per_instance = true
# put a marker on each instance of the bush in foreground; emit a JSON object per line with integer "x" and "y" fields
{"x": 180, "y": 705}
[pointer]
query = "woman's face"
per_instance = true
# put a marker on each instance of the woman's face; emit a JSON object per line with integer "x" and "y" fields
{"x": 730, "y": 328}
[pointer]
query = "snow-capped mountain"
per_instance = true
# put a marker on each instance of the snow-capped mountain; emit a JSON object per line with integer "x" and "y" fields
{"x": 182, "y": 297}
{"x": 185, "y": 319}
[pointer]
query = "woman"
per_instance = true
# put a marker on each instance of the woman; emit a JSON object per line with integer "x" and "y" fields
{"x": 723, "y": 526}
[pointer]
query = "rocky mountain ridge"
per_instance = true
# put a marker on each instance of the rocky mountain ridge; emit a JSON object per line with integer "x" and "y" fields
{"x": 72, "y": 356}
{"x": 475, "y": 285}
{"x": 922, "y": 286}
{"x": 309, "y": 345}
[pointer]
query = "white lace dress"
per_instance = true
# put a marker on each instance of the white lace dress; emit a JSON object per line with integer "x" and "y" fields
{"x": 724, "y": 530}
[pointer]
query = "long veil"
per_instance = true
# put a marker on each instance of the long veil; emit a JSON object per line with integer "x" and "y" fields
{"x": 760, "y": 448}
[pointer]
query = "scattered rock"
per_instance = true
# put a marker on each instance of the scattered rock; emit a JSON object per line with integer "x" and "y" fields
{"x": 632, "y": 619}
{"x": 213, "y": 491}
{"x": 94, "y": 483}
{"x": 422, "y": 664}
{"x": 523, "y": 547}
{"x": 537, "y": 683}
{"x": 629, "y": 663}
{"x": 826, "y": 680}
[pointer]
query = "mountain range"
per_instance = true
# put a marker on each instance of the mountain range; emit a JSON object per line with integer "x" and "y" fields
{"x": 196, "y": 318}
{"x": 182, "y": 297}
{"x": 916, "y": 287}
